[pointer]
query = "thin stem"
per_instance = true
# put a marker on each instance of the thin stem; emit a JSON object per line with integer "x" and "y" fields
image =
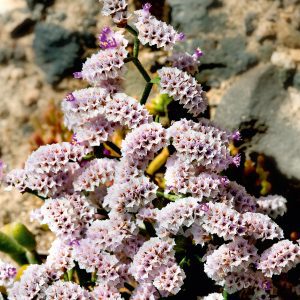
{"x": 34, "y": 193}
{"x": 136, "y": 47}
{"x": 129, "y": 59}
{"x": 183, "y": 262}
{"x": 225, "y": 294}
{"x": 94, "y": 277}
{"x": 114, "y": 147}
{"x": 146, "y": 92}
{"x": 131, "y": 30}
{"x": 141, "y": 69}
{"x": 70, "y": 274}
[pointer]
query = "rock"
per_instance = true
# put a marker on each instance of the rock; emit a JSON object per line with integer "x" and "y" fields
{"x": 31, "y": 97}
{"x": 288, "y": 36}
{"x": 230, "y": 58}
{"x": 250, "y": 23}
{"x": 32, "y": 3}
{"x": 19, "y": 23}
{"x": 283, "y": 60}
{"x": 57, "y": 51}
{"x": 265, "y": 30}
{"x": 296, "y": 81}
{"x": 23, "y": 28}
{"x": 198, "y": 18}
{"x": 259, "y": 105}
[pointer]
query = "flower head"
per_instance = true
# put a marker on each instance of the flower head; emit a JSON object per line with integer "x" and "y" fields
{"x": 183, "y": 88}
{"x": 7, "y": 274}
{"x": 107, "y": 39}
{"x": 279, "y": 258}
{"x": 66, "y": 290}
{"x": 155, "y": 32}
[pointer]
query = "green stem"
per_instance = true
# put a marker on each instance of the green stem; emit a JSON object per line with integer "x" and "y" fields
{"x": 34, "y": 193}
{"x": 131, "y": 30}
{"x": 141, "y": 69}
{"x": 182, "y": 262}
{"x": 168, "y": 196}
{"x": 136, "y": 47}
{"x": 225, "y": 294}
{"x": 129, "y": 59}
{"x": 70, "y": 274}
{"x": 146, "y": 92}
{"x": 94, "y": 277}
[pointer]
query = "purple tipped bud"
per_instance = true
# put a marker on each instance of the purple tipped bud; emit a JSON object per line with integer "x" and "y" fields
{"x": 266, "y": 285}
{"x": 11, "y": 272}
{"x": 70, "y": 97}
{"x": 225, "y": 180}
{"x": 77, "y": 75}
{"x": 106, "y": 152}
{"x": 241, "y": 230}
{"x": 74, "y": 140}
{"x": 236, "y": 136}
{"x": 106, "y": 39}
{"x": 181, "y": 36}
{"x": 198, "y": 53}
{"x": 147, "y": 7}
{"x": 204, "y": 207}
{"x": 74, "y": 243}
{"x": 236, "y": 160}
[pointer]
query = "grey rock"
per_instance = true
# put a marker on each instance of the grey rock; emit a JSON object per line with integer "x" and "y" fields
{"x": 258, "y": 102}
{"x": 230, "y": 58}
{"x": 57, "y": 50}
{"x": 32, "y": 3}
{"x": 203, "y": 21}
{"x": 250, "y": 24}
{"x": 198, "y": 18}
{"x": 296, "y": 80}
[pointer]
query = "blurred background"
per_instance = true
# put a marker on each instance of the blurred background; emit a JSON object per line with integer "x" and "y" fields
{"x": 250, "y": 70}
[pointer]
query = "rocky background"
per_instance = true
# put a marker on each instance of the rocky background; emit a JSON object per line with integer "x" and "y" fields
{"x": 251, "y": 71}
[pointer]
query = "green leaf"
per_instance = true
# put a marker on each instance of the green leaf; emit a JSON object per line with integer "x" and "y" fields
{"x": 13, "y": 249}
{"x": 155, "y": 80}
{"x": 23, "y": 236}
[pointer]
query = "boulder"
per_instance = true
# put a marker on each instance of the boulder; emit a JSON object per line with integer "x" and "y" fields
{"x": 57, "y": 50}
{"x": 268, "y": 115}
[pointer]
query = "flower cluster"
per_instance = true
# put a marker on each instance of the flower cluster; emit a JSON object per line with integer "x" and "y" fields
{"x": 67, "y": 217}
{"x": 66, "y": 290}
{"x": 93, "y": 174}
{"x": 273, "y": 205}
{"x": 93, "y": 114}
{"x": 186, "y": 62}
{"x": 201, "y": 146}
{"x": 109, "y": 61}
{"x": 155, "y": 32}
{"x": 129, "y": 219}
{"x": 48, "y": 170}
{"x": 117, "y": 9}
{"x": 143, "y": 142}
{"x": 155, "y": 263}
{"x": 183, "y": 88}
{"x": 235, "y": 256}
{"x": 33, "y": 284}
{"x": 131, "y": 195}
{"x": 279, "y": 258}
